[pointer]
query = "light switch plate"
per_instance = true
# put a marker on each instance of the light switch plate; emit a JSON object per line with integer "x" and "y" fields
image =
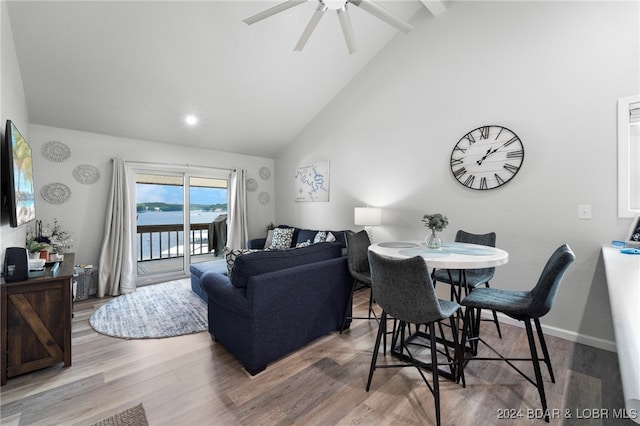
{"x": 584, "y": 211}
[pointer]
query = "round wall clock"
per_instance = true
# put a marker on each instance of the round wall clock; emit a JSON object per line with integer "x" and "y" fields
{"x": 487, "y": 157}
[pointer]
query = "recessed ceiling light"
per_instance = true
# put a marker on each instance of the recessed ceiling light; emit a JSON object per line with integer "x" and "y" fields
{"x": 191, "y": 120}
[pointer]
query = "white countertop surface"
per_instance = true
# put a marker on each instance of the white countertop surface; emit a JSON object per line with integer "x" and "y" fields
{"x": 623, "y": 281}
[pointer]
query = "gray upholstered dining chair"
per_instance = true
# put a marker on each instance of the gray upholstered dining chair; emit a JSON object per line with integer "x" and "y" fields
{"x": 357, "y": 248}
{"x": 403, "y": 288}
{"x": 523, "y": 306}
{"x": 474, "y": 277}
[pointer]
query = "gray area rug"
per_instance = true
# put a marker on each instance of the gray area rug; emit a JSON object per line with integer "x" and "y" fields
{"x": 134, "y": 416}
{"x": 154, "y": 311}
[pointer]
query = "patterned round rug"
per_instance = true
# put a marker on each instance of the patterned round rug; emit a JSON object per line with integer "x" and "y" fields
{"x": 154, "y": 311}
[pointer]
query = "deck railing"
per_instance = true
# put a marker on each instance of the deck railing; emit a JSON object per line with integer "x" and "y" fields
{"x": 167, "y": 241}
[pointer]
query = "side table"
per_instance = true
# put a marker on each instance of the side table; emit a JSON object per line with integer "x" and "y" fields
{"x": 35, "y": 325}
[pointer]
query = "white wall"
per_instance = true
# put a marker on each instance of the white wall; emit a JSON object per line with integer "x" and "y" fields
{"x": 12, "y": 106}
{"x": 84, "y": 213}
{"x": 551, "y": 72}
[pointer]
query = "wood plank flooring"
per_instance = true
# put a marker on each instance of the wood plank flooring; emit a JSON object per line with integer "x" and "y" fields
{"x": 191, "y": 380}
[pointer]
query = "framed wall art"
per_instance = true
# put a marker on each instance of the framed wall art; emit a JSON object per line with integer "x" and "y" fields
{"x": 312, "y": 182}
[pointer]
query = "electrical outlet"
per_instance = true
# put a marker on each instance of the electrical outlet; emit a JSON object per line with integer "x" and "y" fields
{"x": 584, "y": 211}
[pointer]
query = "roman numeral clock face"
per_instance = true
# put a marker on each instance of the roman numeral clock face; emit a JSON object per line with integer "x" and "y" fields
{"x": 487, "y": 157}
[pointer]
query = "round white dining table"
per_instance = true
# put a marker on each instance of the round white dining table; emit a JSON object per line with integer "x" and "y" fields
{"x": 450, "y": 255}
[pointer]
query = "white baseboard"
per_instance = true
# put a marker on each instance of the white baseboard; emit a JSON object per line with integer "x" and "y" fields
{"x": 571, "y": 336}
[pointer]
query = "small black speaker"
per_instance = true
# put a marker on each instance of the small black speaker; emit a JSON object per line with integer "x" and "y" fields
{"x": 16, "y": 264}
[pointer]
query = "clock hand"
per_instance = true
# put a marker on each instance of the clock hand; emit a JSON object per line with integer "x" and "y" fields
{"x": 485, "y": 156}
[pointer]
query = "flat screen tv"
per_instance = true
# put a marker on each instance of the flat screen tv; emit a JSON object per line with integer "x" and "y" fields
{"x": 17, "y": 175}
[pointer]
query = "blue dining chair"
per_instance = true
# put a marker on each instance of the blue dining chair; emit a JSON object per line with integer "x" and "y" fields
{"x": 525, "y": 306}
{"x": 403, "y": 289}
{"x": 474, "y": 277}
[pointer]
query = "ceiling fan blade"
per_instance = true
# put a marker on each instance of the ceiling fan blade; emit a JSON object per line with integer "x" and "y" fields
{"x": 383, "y": 14}
{"x": 347, "y": 29}
{"x": 272, "y": 11}
{"x": 311, "y": 26}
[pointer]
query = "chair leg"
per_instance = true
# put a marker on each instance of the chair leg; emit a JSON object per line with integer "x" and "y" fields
{"x": 536, "y": 367}
{"x": 495, "y": 316}
{"x": 434, "y": 371}
{"x": 467, "y": 333}
{"x": 476, "y": 319}
{"x": 458, "y": 352}
{"x": 382, "y": 328}
{"x": 350, "y": 303}
{"x": 545, "y": 352}
{"x": 371, "y": 311}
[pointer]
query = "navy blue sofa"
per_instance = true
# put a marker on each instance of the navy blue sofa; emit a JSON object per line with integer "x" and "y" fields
{"x": 300, "y": 236}
{"x": 278, "y": 301}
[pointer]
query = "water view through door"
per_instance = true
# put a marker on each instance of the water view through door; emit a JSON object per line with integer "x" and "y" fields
{"x": 170, "y": 206}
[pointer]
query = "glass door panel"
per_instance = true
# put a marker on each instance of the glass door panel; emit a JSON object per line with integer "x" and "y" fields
{"x": 207, "y": 216}
{"x": 160, "y": 216}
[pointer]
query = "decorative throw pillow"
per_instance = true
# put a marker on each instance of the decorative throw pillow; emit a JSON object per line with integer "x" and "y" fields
{"x": 304, "y": 244}
{"x": 267, "y": 242}
{"x": 281, "y": 238}
{"x": 320, "y": 237}
{"x": 330, "y": 237}
{"x": 231, "y": 255}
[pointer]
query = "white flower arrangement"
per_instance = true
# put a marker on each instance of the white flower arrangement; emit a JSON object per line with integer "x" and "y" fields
{"x": 39, "y": 238}
{"x": 435, "y": 222}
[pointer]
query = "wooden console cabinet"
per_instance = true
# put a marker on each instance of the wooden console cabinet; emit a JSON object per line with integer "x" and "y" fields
{"x": 36, "y": 321}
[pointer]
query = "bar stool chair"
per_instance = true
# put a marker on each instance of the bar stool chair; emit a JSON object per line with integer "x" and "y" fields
{"x": 403, "y": 288}
{"x": 523, "y": 306}
{"x": 358, "y": 264}
{"x": 474, "y": 278}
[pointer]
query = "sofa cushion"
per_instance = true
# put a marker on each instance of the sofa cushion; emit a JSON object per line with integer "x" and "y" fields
{"x": 340, "y": 236}
{"x": 305, "y": 235}
{"x": 282, "y": 238}
{"x": 269, "y": 239}
{"x": 320, "y": 237}
{"x": 267, "y": 261}
{"x": 230, "y": 256}
{"x": 199, "y": 269}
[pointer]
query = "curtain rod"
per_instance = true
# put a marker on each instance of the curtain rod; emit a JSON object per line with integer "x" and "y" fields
{"x": 187, "y": 165}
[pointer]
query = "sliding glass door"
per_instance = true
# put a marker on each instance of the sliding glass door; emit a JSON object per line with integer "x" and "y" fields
{"x": 180, "y": 219}
{"x": 160, "y": 219}
{"x": 208, "y": 217}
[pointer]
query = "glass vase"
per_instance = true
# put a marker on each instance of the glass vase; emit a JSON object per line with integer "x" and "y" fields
{"x": 433, "y": 241}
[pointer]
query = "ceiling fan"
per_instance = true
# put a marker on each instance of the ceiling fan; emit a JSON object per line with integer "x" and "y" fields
{"x": 340, "y": 6}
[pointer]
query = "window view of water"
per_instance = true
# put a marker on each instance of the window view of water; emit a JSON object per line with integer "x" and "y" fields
{"x": 173, "y": 217}
{"x": 171, "y": 244}
{"x": 160, "y": 209}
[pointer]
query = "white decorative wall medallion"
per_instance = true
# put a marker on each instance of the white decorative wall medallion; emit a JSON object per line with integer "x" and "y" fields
{"x": 55, "y": 151}
{"x": 263, "y": 197}
{"x": 86, "y": 173}
{"x": 56, "y": 193}
{"x": 252, "y": 184}
{"x": 265, "y": 173}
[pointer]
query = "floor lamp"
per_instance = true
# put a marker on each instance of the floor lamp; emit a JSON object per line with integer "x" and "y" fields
{"x": 368, "y": 216}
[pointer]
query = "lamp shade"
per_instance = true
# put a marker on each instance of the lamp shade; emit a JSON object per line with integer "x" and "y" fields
{"x": 367, "y": 216}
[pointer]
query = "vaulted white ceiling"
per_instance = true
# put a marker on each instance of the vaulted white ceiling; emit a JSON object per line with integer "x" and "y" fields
{"x": 135, "y": 69}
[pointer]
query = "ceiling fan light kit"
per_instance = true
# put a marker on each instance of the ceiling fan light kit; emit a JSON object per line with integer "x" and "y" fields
{"x": 340, "y": 6}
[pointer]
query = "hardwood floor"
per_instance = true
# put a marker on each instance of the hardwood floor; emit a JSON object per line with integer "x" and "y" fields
{"x": 191, "y": 380}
